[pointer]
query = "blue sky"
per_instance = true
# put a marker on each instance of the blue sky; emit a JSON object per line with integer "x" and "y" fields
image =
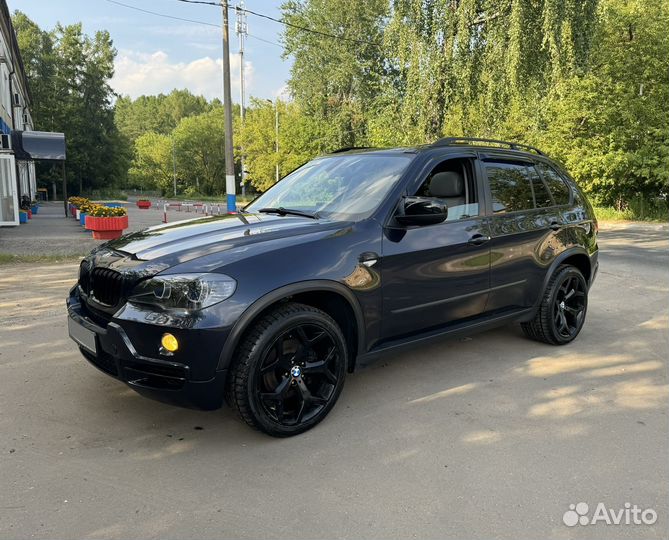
{"x": 157, "y": 54}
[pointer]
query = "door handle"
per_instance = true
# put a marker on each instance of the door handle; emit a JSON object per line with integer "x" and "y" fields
{"x": 555, "y": 226}
{"x": 478, "y": 239}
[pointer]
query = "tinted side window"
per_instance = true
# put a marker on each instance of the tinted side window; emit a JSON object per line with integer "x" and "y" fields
{"x": 453, "y": 181}
{"x": 542, "y": 196}
{"x": 509, "y": 186}
{"x": 556, "y": 184}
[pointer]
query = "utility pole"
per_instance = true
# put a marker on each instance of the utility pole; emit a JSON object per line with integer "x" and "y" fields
{"x": 241, "y": 29}
{"x": 174, "y": 168}
{"x": 227, "y": 103}
{"x": 276, "y": 135}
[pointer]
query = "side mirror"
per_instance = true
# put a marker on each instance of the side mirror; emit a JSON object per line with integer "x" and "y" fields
{"x": 422, "y": 211}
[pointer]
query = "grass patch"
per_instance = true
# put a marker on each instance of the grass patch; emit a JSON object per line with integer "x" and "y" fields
{"x": 638, "y": 208}
{"x": 608, "y": 213}
{"x": 10, "y": 258}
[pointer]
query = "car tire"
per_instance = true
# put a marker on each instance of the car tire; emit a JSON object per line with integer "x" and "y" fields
{"x": 561, "y": 314}
{"x": 288, "y": 371}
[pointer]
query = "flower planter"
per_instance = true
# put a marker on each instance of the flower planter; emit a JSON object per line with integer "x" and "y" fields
{"x": 35, "y": 209}
{"x": 73, "y": 211}
{"x": 82, "y": 218}
{"x": 144, "y": 205}
{"x": 106, "y": 228}
{"x": 23, "y": 217}
{"x": 77, "y": 214}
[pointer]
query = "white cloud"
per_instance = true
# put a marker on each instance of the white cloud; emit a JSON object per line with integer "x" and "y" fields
{"x": 143, "y": 73}
{"x": 283, "y": 92}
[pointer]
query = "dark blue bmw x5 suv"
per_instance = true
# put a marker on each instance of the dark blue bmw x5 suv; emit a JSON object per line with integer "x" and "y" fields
{"x": 353, "y": 254}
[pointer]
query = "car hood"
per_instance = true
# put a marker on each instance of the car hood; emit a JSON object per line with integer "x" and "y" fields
{"x": 164, "y": 246}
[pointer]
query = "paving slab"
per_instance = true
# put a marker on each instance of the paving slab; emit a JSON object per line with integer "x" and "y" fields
{"x": 50, "y": 233}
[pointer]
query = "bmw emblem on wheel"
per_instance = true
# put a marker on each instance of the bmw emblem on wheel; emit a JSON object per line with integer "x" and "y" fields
{"x": 295, "y": 371}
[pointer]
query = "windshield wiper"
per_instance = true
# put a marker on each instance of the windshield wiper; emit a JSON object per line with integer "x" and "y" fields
{"x": 287, "y": 211}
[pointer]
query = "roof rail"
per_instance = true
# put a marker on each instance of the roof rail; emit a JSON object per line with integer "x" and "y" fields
{"x": 450, "y": 141}
{"x": 347, "y": 148}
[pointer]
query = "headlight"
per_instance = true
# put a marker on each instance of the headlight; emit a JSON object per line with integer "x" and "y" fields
{"x": 184, "y": 291}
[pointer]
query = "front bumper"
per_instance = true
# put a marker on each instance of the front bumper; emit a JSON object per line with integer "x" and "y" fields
{"x": 111, "y": 351}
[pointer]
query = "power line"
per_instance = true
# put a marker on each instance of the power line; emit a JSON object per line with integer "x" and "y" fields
{"x": 305, "y": 29}
{"x": 161, "y": 14}
{"x": 265, "y": 40}
{"x": 285, "y": 23}
{"x": 187, "y": 20}
{"x": 217, "y": 4}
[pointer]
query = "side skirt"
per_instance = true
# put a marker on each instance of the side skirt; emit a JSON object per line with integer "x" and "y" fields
{"x": 454, "y": 330}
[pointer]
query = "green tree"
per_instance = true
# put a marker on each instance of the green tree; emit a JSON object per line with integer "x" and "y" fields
{"x": 137, "y": 117}
{"x": 70, "y": 72}
{"x": 335, "y": 81}
{"x": 199, "y": 142}
{"x": 159, "y": 114}
{"x": 152, "y": 165}
{"x": 462, "y": 67}
{"x": 609, "y": 125}
{"x": 195, "y": 149}
{"x": 39, "y": 62}
{"x": 298, "y": 141}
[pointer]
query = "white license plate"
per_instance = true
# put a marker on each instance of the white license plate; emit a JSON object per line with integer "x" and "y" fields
{"x": 83, "y": 336}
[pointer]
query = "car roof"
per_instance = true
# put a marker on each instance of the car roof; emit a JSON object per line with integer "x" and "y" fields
{"x": 450, "y": 145}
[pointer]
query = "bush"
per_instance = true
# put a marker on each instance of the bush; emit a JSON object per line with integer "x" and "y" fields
{"x": 639, "y": 208}
{"x": 649, "y": 208}
{"x": 109, "y": 194}
{"x": 608, "y": 213}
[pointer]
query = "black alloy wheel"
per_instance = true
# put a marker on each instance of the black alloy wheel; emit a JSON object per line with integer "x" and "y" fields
{"x": 289, "y": 371}
{"x": 561, "y": 314}
{"x": 569, "y": 307}
{"x": 297, "y": 374}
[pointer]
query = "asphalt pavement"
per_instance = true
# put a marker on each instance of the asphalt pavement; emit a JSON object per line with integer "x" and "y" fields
{"x": 490, "y": 436}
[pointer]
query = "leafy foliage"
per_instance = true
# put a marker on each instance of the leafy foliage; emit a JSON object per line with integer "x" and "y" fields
{"x": 199, "y": 142}
{"x": 609, "y": 125}
{"x": 158, "y": 114}
{"x": 193, "y": 151}
{"x": 152, "y": 164}
{"x": 298, "y": 141}
{"x": 336, "y": 81}
{"x": 69, "y": 72}
{"x": 585, "y": 80}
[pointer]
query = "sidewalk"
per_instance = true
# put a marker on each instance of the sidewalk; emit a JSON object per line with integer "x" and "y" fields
{"x": 50, "y": 234}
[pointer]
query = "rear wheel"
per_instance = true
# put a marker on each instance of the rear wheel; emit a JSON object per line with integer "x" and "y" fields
{"x": 289, "y": 370}
{"x": 563, "y": 308}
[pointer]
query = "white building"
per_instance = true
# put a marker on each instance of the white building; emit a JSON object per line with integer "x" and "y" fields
{"x": 17, "y": 177}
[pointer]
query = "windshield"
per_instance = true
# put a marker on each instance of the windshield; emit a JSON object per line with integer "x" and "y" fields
{"x": 336, "y": 187}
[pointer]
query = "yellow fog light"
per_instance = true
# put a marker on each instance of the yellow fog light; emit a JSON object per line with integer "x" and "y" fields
{"x": 169, "y": 342}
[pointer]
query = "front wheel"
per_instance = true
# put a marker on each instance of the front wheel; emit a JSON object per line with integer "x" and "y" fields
{"x": 561, "y": 314}
{"x": 289, "y": 370}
